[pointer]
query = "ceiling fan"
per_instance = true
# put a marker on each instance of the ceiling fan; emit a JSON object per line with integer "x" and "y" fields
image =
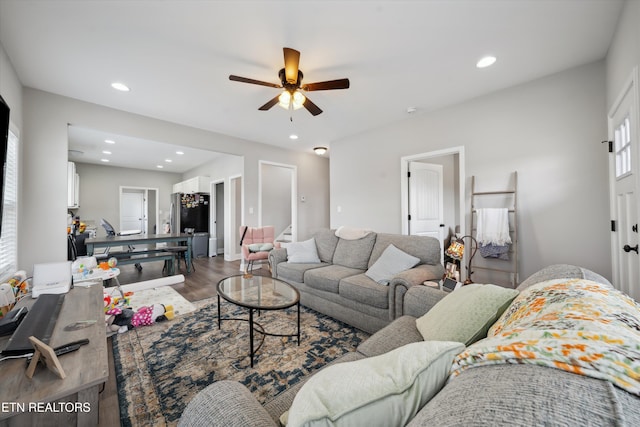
{"x": 291, "y": 81}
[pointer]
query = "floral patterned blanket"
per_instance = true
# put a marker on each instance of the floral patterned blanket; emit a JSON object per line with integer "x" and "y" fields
{"x": 575, "y": 325}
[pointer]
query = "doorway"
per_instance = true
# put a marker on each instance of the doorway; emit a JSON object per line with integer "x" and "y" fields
{"x": 277, "y": 199}
{"x": 432, "y": 194}
{"x": 235, "y": 218}
{"x": 217, "y": 226}
{"x": 624, "y": 182}
{"x": 139, "y": 209}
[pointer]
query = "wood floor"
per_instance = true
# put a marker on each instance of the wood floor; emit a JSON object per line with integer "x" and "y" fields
{"x": 198, "y": 285}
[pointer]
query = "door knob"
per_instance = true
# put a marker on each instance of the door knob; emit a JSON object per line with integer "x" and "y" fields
{"x": 628, "y": 248}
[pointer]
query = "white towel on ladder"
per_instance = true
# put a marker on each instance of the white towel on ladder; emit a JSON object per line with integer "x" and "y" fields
{"x": 493, "y": 226}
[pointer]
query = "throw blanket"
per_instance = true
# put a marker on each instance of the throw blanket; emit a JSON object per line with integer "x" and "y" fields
{"x": 493, "y": 226}
{"x": 350, "y": 233}
{"x": 495, "y": 251}
{"x": 575, "y": 325}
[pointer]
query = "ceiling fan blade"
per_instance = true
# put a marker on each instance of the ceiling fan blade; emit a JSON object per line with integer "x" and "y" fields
{"x": 328, "y": 85}
{"x": 291, "y": 62}
{"x": 252, "y": 81}
{"x": 311, "y": 107}
{"x": 269, "y": 104}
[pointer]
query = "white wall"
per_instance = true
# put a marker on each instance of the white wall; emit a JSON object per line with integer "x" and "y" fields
{"x": 624, "y": 52}
{"x": 548, "y": 130}
{"x": 276, "y": 197}
{"x": 45, "y": 119}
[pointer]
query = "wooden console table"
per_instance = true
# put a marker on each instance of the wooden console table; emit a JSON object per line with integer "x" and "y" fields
{"x": 46, "y": 399}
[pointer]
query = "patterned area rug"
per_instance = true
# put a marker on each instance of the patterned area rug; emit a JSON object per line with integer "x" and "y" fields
{"x": 160, "y": 368}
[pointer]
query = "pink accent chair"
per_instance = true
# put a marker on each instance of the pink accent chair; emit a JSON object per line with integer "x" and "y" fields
{"x": 256, "y": 243}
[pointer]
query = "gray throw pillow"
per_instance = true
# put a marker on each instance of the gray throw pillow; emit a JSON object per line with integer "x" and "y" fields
{"x": 303, "y": 252}
{"x": 391, "y": 262}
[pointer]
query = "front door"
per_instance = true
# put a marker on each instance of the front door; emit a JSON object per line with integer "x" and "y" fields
{"x": 426, "y": 207}
{"x": 624, "y": 185}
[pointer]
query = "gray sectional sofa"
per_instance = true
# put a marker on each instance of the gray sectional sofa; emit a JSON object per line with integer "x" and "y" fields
{"x": 338, "y": 285}
{"x": 494, "y": 395}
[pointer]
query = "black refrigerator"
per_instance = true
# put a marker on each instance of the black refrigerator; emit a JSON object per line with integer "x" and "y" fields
{"x": 190, "y": 211}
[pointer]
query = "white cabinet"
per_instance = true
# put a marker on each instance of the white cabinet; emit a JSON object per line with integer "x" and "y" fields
{"x": 177, "y": 188}
{"x": 73, "y": 186}
{"x": 198, "y": 184}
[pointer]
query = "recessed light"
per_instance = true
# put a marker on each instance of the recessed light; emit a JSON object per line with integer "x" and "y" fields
{"x": 120, "y": 86}
{"x": 486, "y": 61}
{"x": 106, "y": 152}
{"x": 411, "y": 110}
{"x": 160, "y": 166}
{"x": 293, "y": 136}
{"x": 109, "y": 141}
{"x": 104, "y": 160}
{"x": 179, "y": 153}
{"x": 168, "y": 160}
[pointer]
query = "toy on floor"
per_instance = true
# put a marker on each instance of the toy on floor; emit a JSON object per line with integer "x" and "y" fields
{"x": 121, "y": 320}
{"x": 146, "y": 316}
{"x": 116, "y": 302}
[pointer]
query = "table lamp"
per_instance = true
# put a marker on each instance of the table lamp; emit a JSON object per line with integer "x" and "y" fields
{"x": 456, "y": 251}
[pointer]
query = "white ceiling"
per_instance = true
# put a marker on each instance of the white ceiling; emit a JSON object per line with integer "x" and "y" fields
{"x": 91, "y": 146}
{"x": 177, "y": 55}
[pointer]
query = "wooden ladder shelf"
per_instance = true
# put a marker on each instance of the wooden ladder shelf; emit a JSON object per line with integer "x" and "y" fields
{"x": 512, "y": 263}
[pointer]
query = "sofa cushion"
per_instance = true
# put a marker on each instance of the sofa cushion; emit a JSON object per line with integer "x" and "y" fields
{"x": 326, "y": 241}
{"x": 303, "y": 252}
{"x": 364, "y": 290}
{"x": 400, "y": 332}
{"x": 562, "y": 271}
{"x": 384, "y": 390}
{"x": 424, "y": 247}
{"x": 391, "y": 262}
{"x": 328, "y": 278}
{"x": 528, "y": 395}
{"x": 354, "y": 253}
{"x": 295, "y": 271}
{"x": 466, "y": 314}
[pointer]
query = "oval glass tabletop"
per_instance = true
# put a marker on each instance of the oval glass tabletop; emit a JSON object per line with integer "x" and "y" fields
{"x": 261, "y": 292}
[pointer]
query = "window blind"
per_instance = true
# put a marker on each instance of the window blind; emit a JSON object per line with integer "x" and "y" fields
{"x": 9, "y": 238}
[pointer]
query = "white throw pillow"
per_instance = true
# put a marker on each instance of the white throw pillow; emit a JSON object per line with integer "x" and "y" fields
{"x": 385, "y": 390}
{"x": 266, "y": 247}
{"x": 391, "y": 262}
{"x": 303, "y": 252}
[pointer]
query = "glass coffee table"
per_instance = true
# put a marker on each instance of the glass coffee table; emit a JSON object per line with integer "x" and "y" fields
{"x": 258, "y": 293}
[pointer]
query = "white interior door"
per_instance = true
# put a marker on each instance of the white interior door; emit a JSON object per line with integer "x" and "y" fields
{"x": 132, "y": 211}
{"x": 426, "y": 207}
{"x": 624, "y": 184}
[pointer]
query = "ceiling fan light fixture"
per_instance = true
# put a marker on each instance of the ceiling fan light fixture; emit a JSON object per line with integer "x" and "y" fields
{"x": 298, "y": 100}
{"x": 288, "y": 99}
{"x": 284, "y": 99}
{"x": 320, "y": 150}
